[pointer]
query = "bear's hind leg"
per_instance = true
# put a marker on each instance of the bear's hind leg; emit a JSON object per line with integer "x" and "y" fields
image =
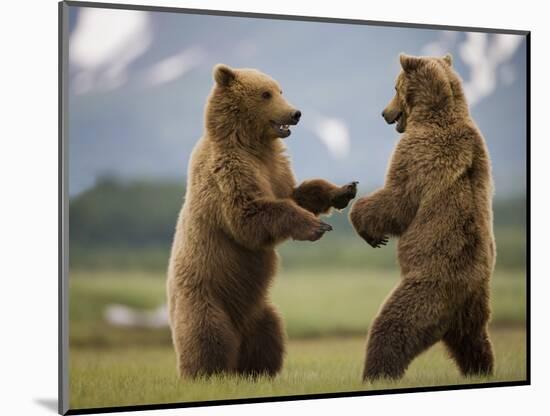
{"x": 411, "y": 320}
{"x": 205, "y": 345}
{"x": 468, "y": 342}
{"x": 262, "y": 349}
{"x": 473, "y": 353}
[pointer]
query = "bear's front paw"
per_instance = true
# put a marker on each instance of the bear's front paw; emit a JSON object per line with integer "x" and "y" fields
{"x": 374, "y": 242}
{"x": 344, "y": 194}
{"x": 311, "y": 232}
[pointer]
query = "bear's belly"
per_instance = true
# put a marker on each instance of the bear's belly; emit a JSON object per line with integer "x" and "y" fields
{"x": 218, "y": 270}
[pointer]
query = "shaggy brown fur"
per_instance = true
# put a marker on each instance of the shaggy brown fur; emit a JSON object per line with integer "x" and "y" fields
{"x": 241, "y": 202}
{"x": 437, "y": 200}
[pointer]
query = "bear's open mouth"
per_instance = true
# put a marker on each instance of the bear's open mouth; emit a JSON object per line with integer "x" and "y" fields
{"x": 281, "y": 129}
{"x": 396, "y": 116}
{"x": 401, "y": 122}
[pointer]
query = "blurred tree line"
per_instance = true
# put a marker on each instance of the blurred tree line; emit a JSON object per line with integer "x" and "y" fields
{"x": 130, "y": 224}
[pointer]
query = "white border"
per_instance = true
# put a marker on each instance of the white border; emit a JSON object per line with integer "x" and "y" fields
{"x": 29, "y": 208}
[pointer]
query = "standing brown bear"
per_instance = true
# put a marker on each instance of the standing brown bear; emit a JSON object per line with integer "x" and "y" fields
{"x": 241, "y": 201}
{"x": 437, "y": 200}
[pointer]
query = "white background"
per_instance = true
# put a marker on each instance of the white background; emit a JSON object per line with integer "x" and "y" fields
{"x": 28, "y": 187}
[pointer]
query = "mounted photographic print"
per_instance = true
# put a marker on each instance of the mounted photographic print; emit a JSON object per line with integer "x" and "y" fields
{"x": 267, "y": 207}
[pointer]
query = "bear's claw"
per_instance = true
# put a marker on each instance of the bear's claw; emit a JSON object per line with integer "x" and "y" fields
{"x": 374, "y": 242}
{"x": 321, "y": 230}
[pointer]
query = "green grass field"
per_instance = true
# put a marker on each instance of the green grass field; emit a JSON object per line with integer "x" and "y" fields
{"x": 147, "y": 375}
{"x": 327, "y": 315}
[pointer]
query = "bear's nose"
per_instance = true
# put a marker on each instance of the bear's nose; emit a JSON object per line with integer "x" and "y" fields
{"x": 296, "y": 116}
{"x": 384, "y": 113}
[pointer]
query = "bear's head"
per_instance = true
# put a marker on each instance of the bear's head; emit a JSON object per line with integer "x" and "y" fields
{"x": 426, "y": 88}
{"x": 249, "y": 103}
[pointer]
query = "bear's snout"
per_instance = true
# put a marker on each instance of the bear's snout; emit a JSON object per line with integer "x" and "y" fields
{"x": 391, "y": 116}
{"x": 295, "y": 116}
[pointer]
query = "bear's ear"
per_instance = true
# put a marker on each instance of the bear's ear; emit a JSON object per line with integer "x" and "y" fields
{"x": 448, "y": 59}
{"x": 223, "y": 75}
{"x": 409, "y": 63}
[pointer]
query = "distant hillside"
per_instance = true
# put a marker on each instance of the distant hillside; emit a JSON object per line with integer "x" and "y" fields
{"x": 144, "y": 213}
{"x": 130, "y": 225}
{"x": 138, "y": 213}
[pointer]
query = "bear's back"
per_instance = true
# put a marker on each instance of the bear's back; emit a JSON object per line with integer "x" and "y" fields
{"x": 455, "y": 222}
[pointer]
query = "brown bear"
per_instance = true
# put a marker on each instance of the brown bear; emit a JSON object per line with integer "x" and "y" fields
{"x": 437, "y": 198}
{"x": 241, "y": 201}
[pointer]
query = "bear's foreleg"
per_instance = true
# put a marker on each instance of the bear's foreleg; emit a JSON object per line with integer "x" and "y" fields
{"x": 411, "y": 320}
{"x": 257, "y": 220}
{"x": 384, "y": 212}
{"x": 262, "y": 350}
{"x": 264, "y": 222}
{"x": 319, "y": 196}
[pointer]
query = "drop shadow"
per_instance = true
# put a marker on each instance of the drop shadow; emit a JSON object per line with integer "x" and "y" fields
{"x": 50, "y": 404}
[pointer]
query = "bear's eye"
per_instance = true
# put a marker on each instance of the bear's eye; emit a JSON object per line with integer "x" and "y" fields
{"x": 266, "y": 95}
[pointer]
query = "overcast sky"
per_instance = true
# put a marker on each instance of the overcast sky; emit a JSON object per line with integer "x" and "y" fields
{"x": 139, "y": 80}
